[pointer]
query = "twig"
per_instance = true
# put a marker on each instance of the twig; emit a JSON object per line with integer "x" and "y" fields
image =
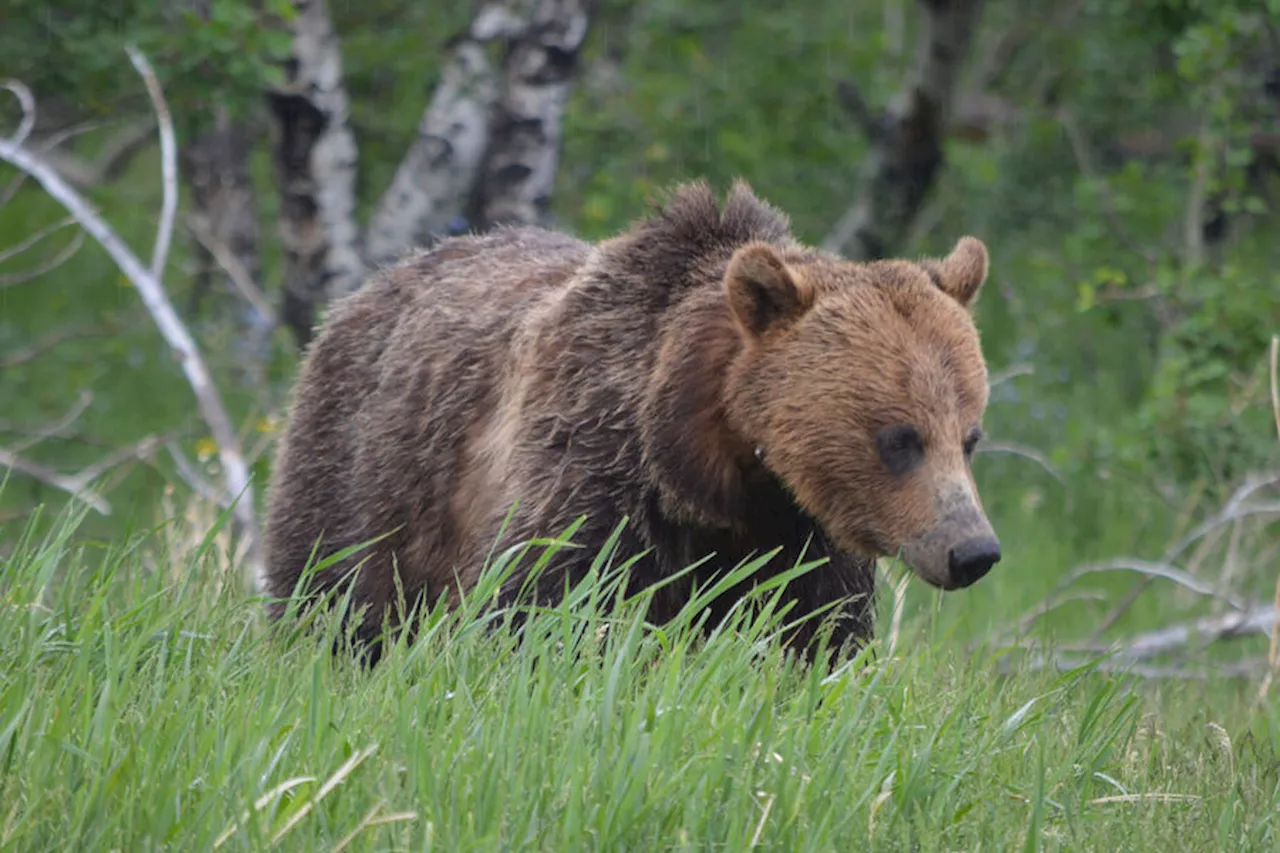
{"x": 1024, "y": 622}
{"x": 1062, "y": 663}
{"x": 77, "y": 484}
{"x": 1011, "y": 372}
{"x": 67, "y": 252}
{"x": 192, "y": 478}
{"x": 1025, "y": 452}
{"x": 1154, "y": 569}
{"x": 27, "y": 101}
{"x": 153, "y": 295}
{"x": 73, "y": 414}
{"x": 232, "y": 266}
{"x": 1273, "y": 653}
{"x": 36, "y": 237}
{"x": 73, "y": 485}
{"x": 168, "y": 162}
{"x": 48, "y": 342}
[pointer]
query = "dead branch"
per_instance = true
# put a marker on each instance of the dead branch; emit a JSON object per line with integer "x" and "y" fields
{"x": 74, "y": 485}
{"x": 168, "y": 162}
{"x": 1026, "y": 452}
{"x": 154, "y": 297}
{"x": 57, "y": 427}
{"x": 1273, "y": 654}
{"x": 27, "y": 102}
{"x": 240, "y": 277}
{"x": 1013, "y": 371}
{"x": 115, "y": 155}
{"x": 1064, "y": 663}
{"x": 49, "y": 342}
{"x": 64, "y": 255}
{"x": 905, "y": 144}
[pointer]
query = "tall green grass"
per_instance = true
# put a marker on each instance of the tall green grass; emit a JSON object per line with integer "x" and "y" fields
{"x": 146, "y": 704}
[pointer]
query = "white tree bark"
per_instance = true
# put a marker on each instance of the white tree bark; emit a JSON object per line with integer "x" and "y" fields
{"x": 906, "y": 141}
{"x": 316, "y": 172}
{"x": 519, "y": 172}
{"x": 435, "y": 178}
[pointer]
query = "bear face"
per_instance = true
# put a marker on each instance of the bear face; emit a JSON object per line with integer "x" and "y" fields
{"x": 862, "y": 387}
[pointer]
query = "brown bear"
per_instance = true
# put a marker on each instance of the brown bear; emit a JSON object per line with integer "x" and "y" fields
{"x": 722, "y": 387}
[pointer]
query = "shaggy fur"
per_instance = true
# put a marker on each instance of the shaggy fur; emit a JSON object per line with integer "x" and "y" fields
{"x": 703, "y": 374}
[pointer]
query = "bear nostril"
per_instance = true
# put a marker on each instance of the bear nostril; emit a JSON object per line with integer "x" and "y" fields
{"x": 970, "y": 561}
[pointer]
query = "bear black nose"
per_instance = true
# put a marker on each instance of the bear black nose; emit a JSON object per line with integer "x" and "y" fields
{"x": 970, "y": 561}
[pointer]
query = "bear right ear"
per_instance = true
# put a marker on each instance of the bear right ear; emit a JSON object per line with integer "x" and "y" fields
{"x": 762, "y": 291}
{"x": 961, "y": 274}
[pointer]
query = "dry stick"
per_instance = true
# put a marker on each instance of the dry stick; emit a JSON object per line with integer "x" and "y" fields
{"x": 232, "y": 266}
{"x": 168, "y": 162}
{"x": 1273, "y": 654}
{"x": 68, "y": 251}
{"x": 152, "y": 292}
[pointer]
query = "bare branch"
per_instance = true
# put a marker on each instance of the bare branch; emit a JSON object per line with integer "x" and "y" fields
{"x": 240, "y": 277}
{"x": 73, "y": 485}
{"x": 1154, "y": 570}
{"x": 1026, "y": 452}
{"x": 83, "y": 399}
{"x": 153, "y": 295}
{"x": 1011, "y": 372}
{"x": 50, "y": 341}
{"x": 192, "y": 477}
{"x": 1063, "y": 663}
{"x": 114, "y": 156}
{"x": 65, "y": 254}
{"x": 903, "y": 161}
{"x": 168, "y": 162}
{"x": 36, "y": 237}
{"x": 22, "y": 92}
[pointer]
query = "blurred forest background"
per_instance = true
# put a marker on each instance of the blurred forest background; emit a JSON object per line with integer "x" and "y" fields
{"x": 1120, "y": 158}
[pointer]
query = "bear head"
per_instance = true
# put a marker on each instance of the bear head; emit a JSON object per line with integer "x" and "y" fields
{"x": 861, "y": 387}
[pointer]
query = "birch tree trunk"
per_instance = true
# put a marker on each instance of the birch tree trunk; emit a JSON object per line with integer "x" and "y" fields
{"x": 316, "y": 173}
{"x": 906, "y": 140}
{"x": 435, "y": 179}
{"x": 520, "y": 169}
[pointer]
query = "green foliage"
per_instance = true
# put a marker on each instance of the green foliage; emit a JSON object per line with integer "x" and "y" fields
{"x": 144, "y": 703}
{"x": 75, "y": 48}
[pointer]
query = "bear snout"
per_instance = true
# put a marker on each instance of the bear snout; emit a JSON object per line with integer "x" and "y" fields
{"x": 970, "y": 561}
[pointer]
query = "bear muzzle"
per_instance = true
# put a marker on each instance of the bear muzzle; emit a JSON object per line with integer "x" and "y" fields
{"x": 960, "y": 548}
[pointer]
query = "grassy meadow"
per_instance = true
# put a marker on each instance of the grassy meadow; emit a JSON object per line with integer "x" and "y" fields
{"x": 146, "y": 704}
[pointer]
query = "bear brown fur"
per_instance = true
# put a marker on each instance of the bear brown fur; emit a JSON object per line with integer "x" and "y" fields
{"x": 724, "y": 388}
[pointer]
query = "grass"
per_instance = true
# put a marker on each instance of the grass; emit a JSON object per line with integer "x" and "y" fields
{"x": 145, "y": 704}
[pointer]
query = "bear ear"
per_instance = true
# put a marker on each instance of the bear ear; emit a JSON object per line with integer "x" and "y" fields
{"x": 961, "y": 274}
{"x": 762, "y": 291}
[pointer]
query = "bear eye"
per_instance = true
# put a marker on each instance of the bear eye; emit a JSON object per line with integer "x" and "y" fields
{"x": 971, "y": 440}
{"x": 901, "y": 448}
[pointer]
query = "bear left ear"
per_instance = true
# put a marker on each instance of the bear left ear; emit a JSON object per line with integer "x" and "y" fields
{"x": 762, "y": 291}
{"x": 961, "y": 274}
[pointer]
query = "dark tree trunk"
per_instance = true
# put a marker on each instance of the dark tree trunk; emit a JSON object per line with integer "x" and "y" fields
{"x": 315, "y": 159}
{"x": 906, "y": 139}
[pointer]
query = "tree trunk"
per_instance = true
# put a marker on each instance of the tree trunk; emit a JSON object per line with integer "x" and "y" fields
{"x": 316, "y": 173}
{"x": 216, "y": 167}
{"x": 520, "y": 169}
{"x": 905, "y": 152}
{"x": 434, "y": 180}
